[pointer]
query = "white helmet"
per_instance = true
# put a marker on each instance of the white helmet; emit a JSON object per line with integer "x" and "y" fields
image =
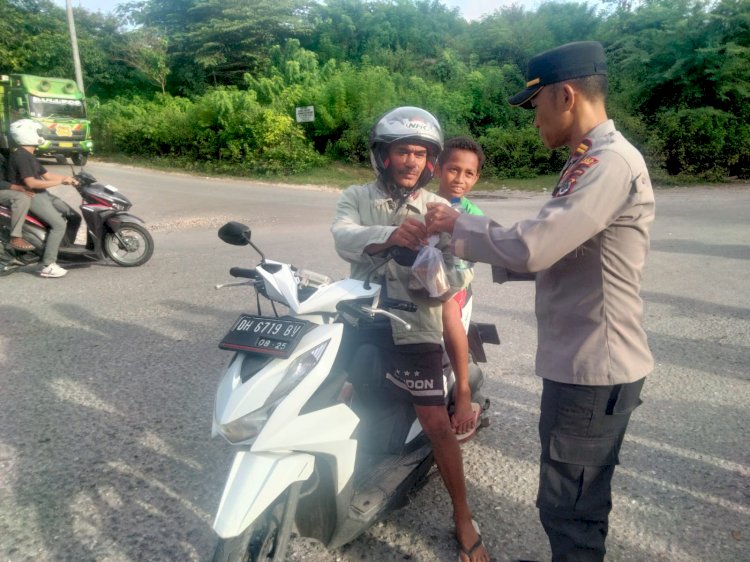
{"x": 406, "y": 124}
{"x": 26, "y": 132}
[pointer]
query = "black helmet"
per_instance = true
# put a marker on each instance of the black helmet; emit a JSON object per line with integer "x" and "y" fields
{"x": 406, "y": 124}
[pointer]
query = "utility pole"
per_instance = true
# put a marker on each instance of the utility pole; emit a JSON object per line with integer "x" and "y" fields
{"x": 74, "y": 44}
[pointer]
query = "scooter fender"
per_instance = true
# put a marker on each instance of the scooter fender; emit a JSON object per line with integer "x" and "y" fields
{"x": 115, "y": 221}
{"x": 254, "y": 482}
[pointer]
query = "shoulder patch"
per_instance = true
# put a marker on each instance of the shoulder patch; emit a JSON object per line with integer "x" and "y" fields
{"x": 568, "y": 181}
{"x": 583, "y": 147}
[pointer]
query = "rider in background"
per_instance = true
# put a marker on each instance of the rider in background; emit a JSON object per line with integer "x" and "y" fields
{"x": 24, "y": 169}
{"x": 458, "y": 169}
{"x": 20, "y": 201}
{"x": 388, "y": 212}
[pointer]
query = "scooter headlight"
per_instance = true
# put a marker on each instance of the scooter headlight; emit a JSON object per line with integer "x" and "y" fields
{"x": 247, "y": 428}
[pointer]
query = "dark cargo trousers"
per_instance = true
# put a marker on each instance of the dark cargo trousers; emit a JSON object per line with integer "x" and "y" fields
{"x": 581, "y": 429}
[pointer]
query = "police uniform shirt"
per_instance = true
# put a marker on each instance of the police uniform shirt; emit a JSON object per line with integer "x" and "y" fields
{"x": 588, "y": 245}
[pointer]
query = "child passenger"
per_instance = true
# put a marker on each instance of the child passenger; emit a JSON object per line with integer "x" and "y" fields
{"x": 458, "y": 169}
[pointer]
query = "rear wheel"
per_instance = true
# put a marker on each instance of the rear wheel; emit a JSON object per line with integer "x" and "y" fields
{"x": 130, "y": 246}
{"x": 259, "y": 541}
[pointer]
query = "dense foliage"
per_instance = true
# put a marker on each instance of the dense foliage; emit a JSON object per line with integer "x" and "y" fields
{"x": 216, "y": 82}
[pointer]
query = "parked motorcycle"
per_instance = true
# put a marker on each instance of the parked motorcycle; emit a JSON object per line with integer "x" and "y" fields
{"x": 320, "y": 447}
{"x": 111, "y": 231}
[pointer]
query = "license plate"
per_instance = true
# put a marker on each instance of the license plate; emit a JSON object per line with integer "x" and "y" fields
{"x": 66, "y": 145}
{"x": 64, "y": 131}
{"x": 268, "y": 336}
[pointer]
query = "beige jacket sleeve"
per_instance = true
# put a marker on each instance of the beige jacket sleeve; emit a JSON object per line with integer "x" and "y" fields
{"x": 563, "y": 224}
{"x": 350, "y": 235}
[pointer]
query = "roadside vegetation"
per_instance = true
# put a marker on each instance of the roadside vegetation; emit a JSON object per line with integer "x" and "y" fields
{"x": 211, "y": 87}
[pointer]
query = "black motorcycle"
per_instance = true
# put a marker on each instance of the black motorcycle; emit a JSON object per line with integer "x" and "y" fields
{"x": 111, "y": 231}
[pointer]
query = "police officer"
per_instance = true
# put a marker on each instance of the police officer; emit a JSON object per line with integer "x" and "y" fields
{"x": 588, "y": 246}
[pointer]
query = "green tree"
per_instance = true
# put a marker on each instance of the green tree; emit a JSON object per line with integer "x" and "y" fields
{"x": 145, "y": 50}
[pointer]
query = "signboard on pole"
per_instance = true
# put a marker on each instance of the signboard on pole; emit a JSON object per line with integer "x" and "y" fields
{"x": 306, "y": 114}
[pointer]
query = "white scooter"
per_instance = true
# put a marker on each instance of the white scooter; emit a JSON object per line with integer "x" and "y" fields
{"x": 320, "y": 448}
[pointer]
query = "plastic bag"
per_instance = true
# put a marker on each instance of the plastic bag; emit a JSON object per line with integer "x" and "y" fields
{"x": 429, "y": 271}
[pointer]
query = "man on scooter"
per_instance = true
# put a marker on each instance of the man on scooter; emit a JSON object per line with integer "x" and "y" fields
{"x": 25, "y": 170}
{"x": 388, "y": 212}
{"x": 20, "y": 201}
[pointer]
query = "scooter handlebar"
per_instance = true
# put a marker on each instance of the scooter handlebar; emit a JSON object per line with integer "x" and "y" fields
{"x": 395, "y": 304}
{"x": 243, "y": 272}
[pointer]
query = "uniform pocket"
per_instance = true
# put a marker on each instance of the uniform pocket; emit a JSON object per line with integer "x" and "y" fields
{"x": 587, "y": 451}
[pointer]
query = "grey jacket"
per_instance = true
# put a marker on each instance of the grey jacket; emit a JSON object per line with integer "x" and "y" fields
{"x": 365, "y": 215}
{"x": 589, "y": 245}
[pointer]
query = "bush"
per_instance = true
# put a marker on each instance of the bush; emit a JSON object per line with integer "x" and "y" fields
{"x": 703, "y": 142}
{"x": 518, "y": 153}
{"x": 224, "y": 129}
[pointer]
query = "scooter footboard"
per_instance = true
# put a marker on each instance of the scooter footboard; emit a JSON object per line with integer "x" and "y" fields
{"x": 255, "y": 481}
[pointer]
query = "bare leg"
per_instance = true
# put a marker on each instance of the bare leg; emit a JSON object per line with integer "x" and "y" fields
{"x": 435, "y": 422}
{"x": 457, "y": 346}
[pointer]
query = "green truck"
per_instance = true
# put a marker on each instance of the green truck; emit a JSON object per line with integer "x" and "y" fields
{"x": 57, "y": 104}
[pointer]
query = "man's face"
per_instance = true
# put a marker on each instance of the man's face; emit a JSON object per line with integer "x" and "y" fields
{"x": 552, "y": 118}
{"x": 458, "y": 173}
{"x": 405, "y": 163}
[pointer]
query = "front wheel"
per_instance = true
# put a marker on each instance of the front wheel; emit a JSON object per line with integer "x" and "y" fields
{"x": 130, "y": 246}
{"x": 258, "y": 543}
{"x": 79, "y": 159}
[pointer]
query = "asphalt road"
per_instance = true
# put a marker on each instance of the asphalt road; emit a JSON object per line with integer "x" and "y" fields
{"x": 107, "y": 379}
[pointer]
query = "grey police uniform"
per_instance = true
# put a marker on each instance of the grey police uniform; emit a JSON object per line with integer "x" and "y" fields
{"x": 588, "y": 246}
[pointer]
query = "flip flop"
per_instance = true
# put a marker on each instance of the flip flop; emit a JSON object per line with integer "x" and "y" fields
{"x": 469, "y": 551}
{"x": 463, "y": 437}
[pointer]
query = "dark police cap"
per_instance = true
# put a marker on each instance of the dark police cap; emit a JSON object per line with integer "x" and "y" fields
{"x": 574, "y": 60}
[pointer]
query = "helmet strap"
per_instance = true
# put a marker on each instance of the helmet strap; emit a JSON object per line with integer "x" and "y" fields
{"x": 399, "y": 194}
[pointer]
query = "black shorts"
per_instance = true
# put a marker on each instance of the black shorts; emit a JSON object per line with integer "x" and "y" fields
{"x": 414, "y": 373}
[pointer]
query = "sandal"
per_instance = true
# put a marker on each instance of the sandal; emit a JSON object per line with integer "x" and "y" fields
{"x": 469, "y": 551}
{"x": 463, "y": 437}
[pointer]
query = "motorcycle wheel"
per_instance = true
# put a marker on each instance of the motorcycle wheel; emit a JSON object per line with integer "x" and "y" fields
{"x": 258, "y": 542}
{"x": 131, "y": 246}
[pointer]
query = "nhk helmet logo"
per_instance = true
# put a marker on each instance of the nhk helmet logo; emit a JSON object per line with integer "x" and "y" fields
{"x": 416, "y": 125}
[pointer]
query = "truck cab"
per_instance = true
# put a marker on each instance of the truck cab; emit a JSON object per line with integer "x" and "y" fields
{"x": 57, "y": 104}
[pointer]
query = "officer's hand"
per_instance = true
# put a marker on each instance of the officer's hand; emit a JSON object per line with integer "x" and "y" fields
{"x": 440, "y": 218}
{"x": 411, "y": 234}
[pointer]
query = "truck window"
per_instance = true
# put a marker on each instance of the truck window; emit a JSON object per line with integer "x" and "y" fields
{"x": 56, "y": 107}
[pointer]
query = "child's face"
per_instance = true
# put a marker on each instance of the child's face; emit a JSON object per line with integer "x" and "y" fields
{"x": 458, "y": 174}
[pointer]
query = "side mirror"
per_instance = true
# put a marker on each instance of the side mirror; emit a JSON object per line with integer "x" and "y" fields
{"x": 403, "y": 256}
{"x": 235, "y": 233}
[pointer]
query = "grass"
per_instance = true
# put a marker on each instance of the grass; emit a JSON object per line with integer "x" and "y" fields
{"x": 344, "y": 174}
{"x": 334, "y": 174}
